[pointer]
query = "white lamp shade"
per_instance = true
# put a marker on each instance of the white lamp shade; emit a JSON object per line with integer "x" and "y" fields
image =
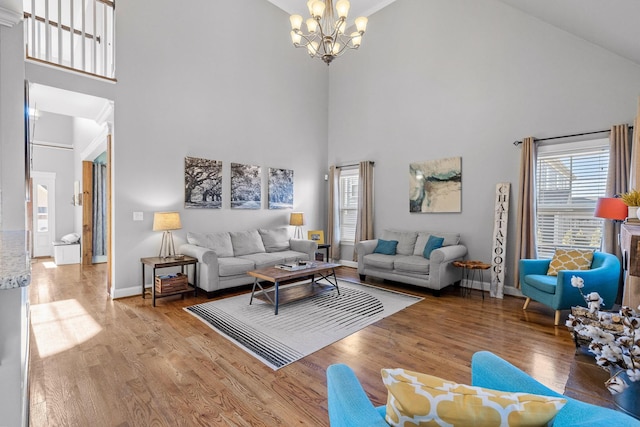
{"x": 295, "y": 37}
{"x": 356, "y": 39}
{"x": 163, "y": 221}
{"x": 312, "y": 25}
{"x": 296, "y": 22}
{"x": 342, "y": 7}
{"x": 318, "y": 9}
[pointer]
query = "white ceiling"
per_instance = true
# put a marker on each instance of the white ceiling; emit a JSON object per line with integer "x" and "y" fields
{"x": 611, "y": 24}
{"x": 60, "y": 101}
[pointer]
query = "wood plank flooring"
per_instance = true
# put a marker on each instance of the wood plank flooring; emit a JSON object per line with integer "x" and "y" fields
{"x": 123, "y": 363}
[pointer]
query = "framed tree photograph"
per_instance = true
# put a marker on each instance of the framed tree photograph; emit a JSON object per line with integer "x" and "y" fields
{"x": 280, "y": 188}
{"x": 436, "y": 185}
{"x": 202, "y": 183}
{"x": 246, "y": 191}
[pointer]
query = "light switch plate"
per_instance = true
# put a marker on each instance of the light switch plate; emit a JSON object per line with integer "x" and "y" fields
{"x": 138, "y": 216}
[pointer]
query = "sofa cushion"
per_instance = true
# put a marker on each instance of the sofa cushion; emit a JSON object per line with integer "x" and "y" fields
{"x": 386, "y": 247}
{"x": 406, "y": 240}
{"x": 264, "y": 259}
{"x": 219, "y": 242}
{"x": 246, "y": 242}
{"x": 231, "y": 266}
{"x": 423, "y": 237}
{"x": 379, "y": 261}
{"x": 276, "y": 239}
{"x": 570, "y": 259}
{"x": 420, "y": 399}
{"x": 542, "y": 282}
{"x": 433, "y": 243}
{"x": 412, "y": 264}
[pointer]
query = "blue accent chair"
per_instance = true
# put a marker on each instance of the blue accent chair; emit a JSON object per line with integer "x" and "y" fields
{"x": 556, "y": 291}
{"x": 349, "y": 405}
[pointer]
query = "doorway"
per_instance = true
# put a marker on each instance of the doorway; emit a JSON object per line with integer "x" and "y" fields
{"x": 43, "y": 212}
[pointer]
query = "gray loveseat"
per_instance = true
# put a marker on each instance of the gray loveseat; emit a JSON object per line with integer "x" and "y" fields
{"x": 408, "y": 265}
{"x": 224, "y": 258}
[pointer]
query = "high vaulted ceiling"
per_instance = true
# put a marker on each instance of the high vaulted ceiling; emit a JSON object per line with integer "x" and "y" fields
{"x": 611, "y": 24}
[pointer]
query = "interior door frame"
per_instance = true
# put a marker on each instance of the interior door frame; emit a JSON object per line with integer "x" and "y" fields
{"x": 51, "y": 205}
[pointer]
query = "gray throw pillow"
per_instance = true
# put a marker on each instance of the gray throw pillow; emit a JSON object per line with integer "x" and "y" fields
{"x": 246, "y": 242}
{"x": 275, "y": 240}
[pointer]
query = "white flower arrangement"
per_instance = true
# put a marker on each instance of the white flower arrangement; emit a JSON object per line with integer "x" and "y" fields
{"x": 614, "y": 338}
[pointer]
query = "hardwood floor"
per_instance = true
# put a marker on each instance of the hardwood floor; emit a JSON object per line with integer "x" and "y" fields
{"x": 100, "y": 362}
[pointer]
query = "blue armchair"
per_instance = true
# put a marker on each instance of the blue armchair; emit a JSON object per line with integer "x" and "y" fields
{"x": 556, "y": 291}
{"x": 349, "y": 405}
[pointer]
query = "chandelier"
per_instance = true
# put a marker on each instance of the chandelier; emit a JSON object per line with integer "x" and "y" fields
{"x": 325, "y": 37}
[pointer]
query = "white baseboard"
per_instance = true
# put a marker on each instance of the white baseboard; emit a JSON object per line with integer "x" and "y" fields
{"x": 127, "y": 292}
{"x": 348, "y": 263}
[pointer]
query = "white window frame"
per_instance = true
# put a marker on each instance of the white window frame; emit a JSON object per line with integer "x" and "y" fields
{"x": 569, "y": 179}
{"x": 348, "y": 189}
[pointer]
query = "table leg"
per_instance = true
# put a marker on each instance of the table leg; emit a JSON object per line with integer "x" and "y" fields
{"x": 143, "y": 281}
{"x": 195, "y": 279}
{"x": 327, "y": 277}
{"x": 277, "y": 286}
{"x": 153, "y": 288}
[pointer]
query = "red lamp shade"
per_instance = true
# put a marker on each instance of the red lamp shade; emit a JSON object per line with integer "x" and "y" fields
{"x": 611, "y": 208}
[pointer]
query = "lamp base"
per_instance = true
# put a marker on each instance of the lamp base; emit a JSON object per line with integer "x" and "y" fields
{"x": 298, "y": 233}
{"x": 167, "y": 248}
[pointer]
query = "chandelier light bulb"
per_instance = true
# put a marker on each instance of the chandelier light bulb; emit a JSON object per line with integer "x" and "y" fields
{"x": 296, "y": 38}
{"x": 296, "y": 22}
{"x": 342, "y": 7}
{"x": 310, "y": 6}
{"x": 361, "y": 24}
{"x": 318, "y": 9}
{"x": 356, "y": 39}
{"x": 312, "y": 25}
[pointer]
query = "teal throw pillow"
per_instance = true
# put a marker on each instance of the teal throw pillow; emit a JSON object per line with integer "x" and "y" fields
{"x": 432, "y": 244}
{"x": 386, "y": 247}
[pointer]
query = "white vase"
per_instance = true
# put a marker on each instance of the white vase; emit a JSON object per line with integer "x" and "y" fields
{"x": 629, "y": 400}
{"x": 632, "y": 212}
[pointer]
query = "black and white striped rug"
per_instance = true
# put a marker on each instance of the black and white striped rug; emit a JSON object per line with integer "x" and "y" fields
{"x": 301, "y": 327}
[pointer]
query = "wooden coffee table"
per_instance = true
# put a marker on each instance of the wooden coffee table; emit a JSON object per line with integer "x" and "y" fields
{"x": 276, "y": 296}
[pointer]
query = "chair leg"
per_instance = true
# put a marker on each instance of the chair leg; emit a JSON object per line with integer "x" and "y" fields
{"x": 526, "y": 303}
{"x": 557, "y": 318}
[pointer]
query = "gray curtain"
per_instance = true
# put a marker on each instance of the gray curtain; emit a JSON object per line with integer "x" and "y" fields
{"x": 333, "y": 214}
{"x": 617, "y": 182}
{"x": 364, "y": 224}
{"x": 99, "y": 209}
{"x": 526, "y": 213}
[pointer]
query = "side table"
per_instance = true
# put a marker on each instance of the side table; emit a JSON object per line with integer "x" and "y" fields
{"x": 160, "y": 262}
{"x": 326, "y": 248}
{"x": 472, "y": 271}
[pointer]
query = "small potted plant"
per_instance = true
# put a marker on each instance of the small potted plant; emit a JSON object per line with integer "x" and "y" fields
{"x": 632, "y": 200}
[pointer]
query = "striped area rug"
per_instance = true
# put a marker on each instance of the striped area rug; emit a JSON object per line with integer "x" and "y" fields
{"x": 301, "y": 327}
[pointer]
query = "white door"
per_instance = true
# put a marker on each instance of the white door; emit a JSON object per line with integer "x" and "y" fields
{"x": 44, "y": 208}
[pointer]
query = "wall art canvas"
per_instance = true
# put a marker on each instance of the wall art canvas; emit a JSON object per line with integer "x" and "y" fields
{"x": 202, "y": 183}
{"x": 246, "y": 191}
{"x": 436, "y": 185}
{"x": 280, "y": 188}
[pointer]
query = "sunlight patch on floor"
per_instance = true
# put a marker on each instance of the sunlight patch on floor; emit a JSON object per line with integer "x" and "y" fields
{"x": 49, "y": 264}
{"x": 61, "y": 325}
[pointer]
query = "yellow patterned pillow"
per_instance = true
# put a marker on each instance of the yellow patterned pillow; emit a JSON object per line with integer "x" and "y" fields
{"x": 416, "y": 399}
{"x": 570, "y": 259}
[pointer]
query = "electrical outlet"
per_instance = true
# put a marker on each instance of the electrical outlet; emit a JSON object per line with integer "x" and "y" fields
{"x": 138, "y": 216}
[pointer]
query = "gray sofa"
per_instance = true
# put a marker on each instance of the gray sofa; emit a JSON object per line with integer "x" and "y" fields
{"x": 409, "y": 265}
{"x": 224, "y": 258}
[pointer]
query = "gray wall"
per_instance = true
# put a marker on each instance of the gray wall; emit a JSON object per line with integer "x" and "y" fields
{"x": 461, "y": 78}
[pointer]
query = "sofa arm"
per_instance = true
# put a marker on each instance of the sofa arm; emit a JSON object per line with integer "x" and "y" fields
{"x": 208, "y": 270}
{"x": 363, "y": 248}
{"x": 533, "y": 266}
{"x": 309, "y": 247}
{"x": 348, "y": 403}
{"x": 447, "y": 254}
{"x": 490, "y": 371}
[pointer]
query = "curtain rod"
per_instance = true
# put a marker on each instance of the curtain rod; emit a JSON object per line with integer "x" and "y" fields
{"x": 516, "y": 143}
{"x": 353, "y": 165}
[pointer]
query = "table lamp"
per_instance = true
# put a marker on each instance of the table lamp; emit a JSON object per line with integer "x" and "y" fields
{"x": 611, "y": 208}
{"x": 165, "y": 222}
{"x": 297, "y": 219}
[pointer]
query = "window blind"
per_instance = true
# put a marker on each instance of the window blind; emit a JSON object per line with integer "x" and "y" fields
{"x": 348, "y": 204}
{"x": 569, "y": 180}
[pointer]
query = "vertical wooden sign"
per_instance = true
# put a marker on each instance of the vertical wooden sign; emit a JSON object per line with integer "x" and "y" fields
{"x": 498, "y": 253}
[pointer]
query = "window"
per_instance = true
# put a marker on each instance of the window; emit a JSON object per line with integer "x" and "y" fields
{"x": 348, "y": 204}
{"x": 569, "y": 179}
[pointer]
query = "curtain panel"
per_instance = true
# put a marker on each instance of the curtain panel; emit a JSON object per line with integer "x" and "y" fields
{"x": 617, "y": 182}
{"x": 333, "y": 214}
{"x": 364, "y": 225}
{"x": 526, "y": 213}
